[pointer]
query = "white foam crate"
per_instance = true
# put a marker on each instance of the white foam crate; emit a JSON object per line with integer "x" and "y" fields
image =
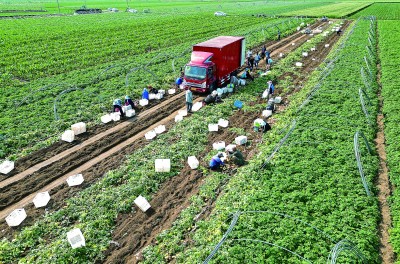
{"x": 125, "y": 108}
{"x": 299, "y": 64}
{"x": 193, "y": 162}
{"x": 159, "y": 129}
{"x": 182, "y": 112}
{"x": 230, "y": 147}
{"x": 223, "y": 122}
{"x": 178, "y": 118}
{"x": 79, "y": 128}
{"x": 242, "y": 82}
{"x": 116, "y": 116}
{"x": 229, "y": 90}
{"x": 326, "y": 45}
{"x": 219, "y": 145}
{"x": 305, "y": 54}
{"x": 68, "y": 136}
{"x": 197, "y": 106}
{"x": 162, "y": 165}
{"x": 130, "y": 113}
{"x": 241, "y": 140}
{"x": 150, "y": 135}
{"x": 76, "y": 238}
{"x": 142, "y": 203}
{"x": 75, "y": 180}
{"x": 212, "y": 127}
{"x": 6, "y": 166}
{"x": 161, "y": 92}
{"x": 143, "y": 102}
{"x": 281, "y": 55}
{"x": 16, "y": 217}
{"x": 41, "y": 199}
{"x": 313, "y": 49}
{"x": 267, "y": 113}
{"x": 171, "y": 91}
{"x": 159, "y": 96}
{"x": 105, "y": 118}
{"x": 277, "y": 100}
{"x": 152, "y": 96}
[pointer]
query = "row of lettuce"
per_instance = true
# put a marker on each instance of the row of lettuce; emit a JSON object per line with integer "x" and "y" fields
{"x": 310, "y": 196}
{"x": 95, "y": 209}
{"x": 94, "y": 82}
{"x": 389, "y": 55}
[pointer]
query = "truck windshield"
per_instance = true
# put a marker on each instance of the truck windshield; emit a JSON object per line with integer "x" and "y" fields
{"x": 195, "y": 72}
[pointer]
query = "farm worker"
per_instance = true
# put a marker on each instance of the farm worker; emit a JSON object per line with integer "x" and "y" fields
{"x": 236, "y": 156}
{"x": 249, "y": 53}
{"x": 338, "y": 31}
{"x": 145, "y": 94}
{"x": 263, "y": 50}
{"x": 178, "y": 81}
{"x": 211, "y": 98}
{"x": 248, "y": 75}
{"x": 216, "y": 162}
{"x": 269, "y": 63}
{"x": 257, "y": 59}
{"x": 267, "y": 54}
{"x": 271, "y": 87}
{"x": 189, "y": 100}
{"x": 118, "y": 106}
{"x": 152, "y": 90}
{"x": 279, "y": 34}
{"x": 128, "y": 101}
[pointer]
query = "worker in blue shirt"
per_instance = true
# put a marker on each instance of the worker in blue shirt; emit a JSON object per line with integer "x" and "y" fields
{"x": 216, "y": 162}
{"x": 118, "y": 106}
{"x": 145, "y": 94}
{"x": 178, "y": 81}
{"x": 271, "y": 87}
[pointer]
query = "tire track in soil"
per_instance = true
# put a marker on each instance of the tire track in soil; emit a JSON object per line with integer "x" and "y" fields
{"x": 173, "y": 197}
{"x": 383, "y": 182}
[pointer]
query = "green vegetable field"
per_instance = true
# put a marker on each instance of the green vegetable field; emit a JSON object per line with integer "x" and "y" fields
{"x": 319, "y": 187}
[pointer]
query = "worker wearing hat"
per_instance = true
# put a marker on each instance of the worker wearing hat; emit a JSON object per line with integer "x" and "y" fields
{"x": 216, "y": 162}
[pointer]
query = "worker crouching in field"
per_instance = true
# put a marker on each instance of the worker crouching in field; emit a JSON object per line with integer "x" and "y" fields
{"x": 235, "y": 156}
{"x": 117, "y": 107}
{"x": 216, "y": 162}
{"x": 212, "y": 98}
{"x": 128, "y": 101}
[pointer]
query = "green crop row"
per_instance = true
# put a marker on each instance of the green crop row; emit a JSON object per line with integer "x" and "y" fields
{"x": 340, "y": 9}
{"x": 389, "y": 55}
{"x": 385, "y": 11}
{"x": 312, "y": 178}
{"x": 35, "y": 100}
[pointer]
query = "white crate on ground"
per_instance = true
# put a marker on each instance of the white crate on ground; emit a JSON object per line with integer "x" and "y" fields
{"x": 79, "y": 128}
{"x": 299, "y": 64}
{"x": 41, "y": 199}
{"x": 159, "y": 96}
{"x": 193, "y": 162}
{"x": 126, "y": 108}
{"x": 178, "y": 118}
{"x": 182, "y": 112}
{"x": 313, "y": 49}
{"x": 230, "y": 147}
{"x": 116, "y": 116}
{"x": 75, "y": 238}
{"x": 105, "y": 118}
{"x": 267, "y": 113}
{"x": 68, "y": 136}
{"x": 130, "y": 113}
{"x": 159, "y": 129}
{"x": 305, "y": 54}
{"x": 277, "y": 100}
{"x": 16, "y": 217}
{"x": 241, "y": 140}
{"x": 142, "y": 203}
{"x": 152, "y": 96}
{"x": 212, "y": 127}
{"x": 223, "y": 122}
{"x": 150, "y": 135}
{"x": 6, "y": 166}
{"x": 219, "y": 145}
{"x": 196, "y": 106}
{"x": 161, "y": 92}
{"x": 162, "y": 165}
{"x": 326, "y": 45}
{"x": 171, "y": 91}
{"x": 143, "y": 102}
{"x": 75, "y": 180}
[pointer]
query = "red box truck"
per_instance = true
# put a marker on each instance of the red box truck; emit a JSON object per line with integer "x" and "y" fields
{"x": 212, "y": 63}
